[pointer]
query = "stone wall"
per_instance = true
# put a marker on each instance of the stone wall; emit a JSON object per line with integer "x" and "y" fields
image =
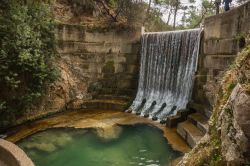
{"x": 103, "y": 63}
{"x": 220, "y": 44}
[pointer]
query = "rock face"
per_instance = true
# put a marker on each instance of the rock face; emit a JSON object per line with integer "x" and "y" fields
{"x": 75, "y": 11}
{"x": 225, "y": 99}
{"x": 234, "y": 122}
{"x": 228, "y": 140}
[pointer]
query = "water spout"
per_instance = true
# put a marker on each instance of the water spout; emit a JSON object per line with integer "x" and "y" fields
{"x": 146, "y": 113}
{"x": 139, "y": 108}
{"x": 154, "y": 118}
{"x": 164, "y": 119}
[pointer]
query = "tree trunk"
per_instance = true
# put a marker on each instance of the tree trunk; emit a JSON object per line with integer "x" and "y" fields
{"x": 175, "y": 13}
{"x": 148, "y": 10}
{"x": 107, "y": 10}
{"x": 169, "y": 15}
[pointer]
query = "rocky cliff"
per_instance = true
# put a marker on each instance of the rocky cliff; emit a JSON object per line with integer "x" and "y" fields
{"x": 228, "y": 139}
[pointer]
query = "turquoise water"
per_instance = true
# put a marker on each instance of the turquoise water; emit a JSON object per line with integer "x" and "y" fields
{"x": 127, "y": 145}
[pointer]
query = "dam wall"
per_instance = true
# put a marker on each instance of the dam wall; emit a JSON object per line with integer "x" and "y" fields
{"x": 224, "y": 36}
{"x": 99, "y": 68}
{"x": 105, "y": 62}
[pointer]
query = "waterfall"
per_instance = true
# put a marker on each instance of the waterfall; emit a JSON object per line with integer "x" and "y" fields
{"x": 168, "y": 64}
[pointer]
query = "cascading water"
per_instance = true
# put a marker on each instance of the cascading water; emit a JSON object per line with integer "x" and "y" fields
{"x": 168, "y": 64}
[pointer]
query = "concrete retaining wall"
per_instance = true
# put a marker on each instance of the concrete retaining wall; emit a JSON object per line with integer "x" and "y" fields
{"x": 12, "y": 155}
{"x": 106, "y": 61}
{"x": 220, "y": 46}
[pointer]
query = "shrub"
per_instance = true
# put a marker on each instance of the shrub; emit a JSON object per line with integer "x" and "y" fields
{"x": 27, "y": 45}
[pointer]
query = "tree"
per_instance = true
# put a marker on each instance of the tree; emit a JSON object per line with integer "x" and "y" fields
{"x": 196, "y": 16}
{"x": 184, "y": 16}
{"x": 172, "y": 7}
{"x": 26, "y": 51}
{"x": 176, "y": 5}
{"x": 148, "y": 11}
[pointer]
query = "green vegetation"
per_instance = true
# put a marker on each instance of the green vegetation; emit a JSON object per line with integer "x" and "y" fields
{"x": 120, "y": 14}
{"x": 195, "y": 17}
{"x": 27, "y": 47}
{"x": 151, "y": 14}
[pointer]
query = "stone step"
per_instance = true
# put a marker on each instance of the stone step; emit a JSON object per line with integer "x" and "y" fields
{"x": 189, "y": 132}
{"x": 199, "y": 121}
{"x": 173, "y": 120}
{"x": 198, "y": 108}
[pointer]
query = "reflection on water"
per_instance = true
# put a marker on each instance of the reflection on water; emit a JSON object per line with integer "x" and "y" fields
{"x": 134, "y": 145}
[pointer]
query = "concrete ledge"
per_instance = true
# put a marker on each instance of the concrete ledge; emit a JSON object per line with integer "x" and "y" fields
{"x": 220, "y": 46}
{"x": 67, "y": 32}
{"x": 118, "y": 105}
{"x": 12, "y": 155}
{"x": 218, "y": 61}
{"x": 228, "y": 24}
{"x": 81, "y": 47}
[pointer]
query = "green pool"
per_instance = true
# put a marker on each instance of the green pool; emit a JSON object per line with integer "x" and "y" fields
{"x": 123, "y": 146}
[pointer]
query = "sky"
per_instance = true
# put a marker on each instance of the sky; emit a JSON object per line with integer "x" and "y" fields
{"x": 197, "y": 4}
{"x": 179, "y": 13}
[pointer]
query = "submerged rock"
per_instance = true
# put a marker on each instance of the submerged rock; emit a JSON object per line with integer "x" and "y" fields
{"x": 109, "y": 132}
{"x": 42, "y": 146}
{"x": 48, "y": 141}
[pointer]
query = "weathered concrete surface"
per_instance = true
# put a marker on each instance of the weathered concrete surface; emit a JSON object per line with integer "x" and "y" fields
{"x": 12, "y": 155}
{"x": 220, "y": 45}
{"x": 104, "y": 63}
{"x": 193, "y": 129}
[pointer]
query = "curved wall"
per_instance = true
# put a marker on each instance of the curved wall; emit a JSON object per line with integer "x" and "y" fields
{"x": 12, "y": 155}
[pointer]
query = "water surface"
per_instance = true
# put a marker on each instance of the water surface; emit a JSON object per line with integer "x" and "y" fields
{"x": 123, "y": 146}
